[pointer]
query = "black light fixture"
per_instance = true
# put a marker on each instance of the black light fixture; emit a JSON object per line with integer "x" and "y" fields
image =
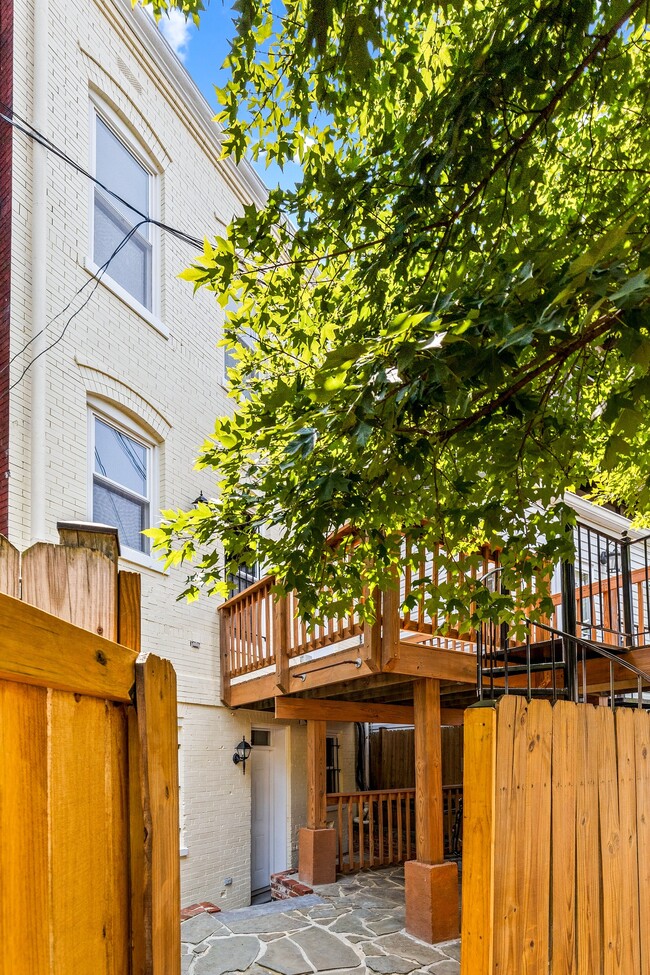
{"x": 200, "y": 500}
{"x": 242, "y": 753}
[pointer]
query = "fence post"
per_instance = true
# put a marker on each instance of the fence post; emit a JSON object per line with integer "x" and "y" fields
{"x": 156, "y": 850}
{"x": 569, "y": 626}
{"x": 390, "y": 598}
{"x": 628, "y": 604}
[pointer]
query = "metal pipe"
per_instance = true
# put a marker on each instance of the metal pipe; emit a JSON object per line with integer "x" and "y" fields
{"x": 38, "y": 370}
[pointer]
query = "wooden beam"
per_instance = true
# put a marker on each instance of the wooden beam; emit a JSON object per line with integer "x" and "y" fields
{"x": 433, "y": 662}
{"x": 316, "y": 758}
{"x": 428, "y": 772}
{"x": 330, "y": 710}
{"x": 92, "y": 665}
{"x": 342, "y": 711}
{"x": 336, "y": 667}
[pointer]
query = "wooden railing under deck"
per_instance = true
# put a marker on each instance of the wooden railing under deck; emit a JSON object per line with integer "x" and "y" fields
{"x": 374, "y": 829}
{"x": 377, "y": 828}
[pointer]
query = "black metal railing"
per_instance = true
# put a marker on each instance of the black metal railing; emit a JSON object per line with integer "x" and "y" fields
{"x": 562, "y": 661}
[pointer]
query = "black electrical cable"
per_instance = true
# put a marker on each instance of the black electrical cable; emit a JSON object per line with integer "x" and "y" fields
{"x": 93, "y": 279}
{"x": 8, "y": 115}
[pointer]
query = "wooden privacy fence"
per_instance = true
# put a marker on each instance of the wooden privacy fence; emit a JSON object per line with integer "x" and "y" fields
{"x": 556, "y": 857}
{"x": 89, "y": 870}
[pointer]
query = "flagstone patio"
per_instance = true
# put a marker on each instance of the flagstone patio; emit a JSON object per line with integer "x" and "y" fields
{"x": 353, "y": 927}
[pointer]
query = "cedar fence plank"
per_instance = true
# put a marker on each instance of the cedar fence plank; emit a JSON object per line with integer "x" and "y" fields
{"x": 24, "y": 873}
{"x": 478, "y": 841}
{"x": 588, "y": 906}
{"x": 610, "y": 845}
{"x": 625, "y": 751}
{"x": 533, "y": 749}
{"x": 565, "y": 775}
{"x": 506, "y": 955}
{"x": 9, "y": 568}
{"x": 642, "y": 772}
{"x": 82, "y": 916}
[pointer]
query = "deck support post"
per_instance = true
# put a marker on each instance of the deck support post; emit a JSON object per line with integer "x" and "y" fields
{"x": 316, "y": 843}
{"x": 431, "y": 884}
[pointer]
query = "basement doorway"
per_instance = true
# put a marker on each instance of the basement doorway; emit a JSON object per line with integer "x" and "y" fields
{"x": 268, "y": 808}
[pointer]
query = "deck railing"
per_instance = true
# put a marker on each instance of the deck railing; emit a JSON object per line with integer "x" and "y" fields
{"x": 374, "y": 829}
{"x": 377, "y": 828}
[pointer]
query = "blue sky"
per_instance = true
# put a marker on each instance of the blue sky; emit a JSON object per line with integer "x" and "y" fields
{"x": 203, "y": 50}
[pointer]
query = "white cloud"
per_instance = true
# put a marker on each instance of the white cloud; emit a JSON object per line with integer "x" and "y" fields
{"x": 177, "y": 32}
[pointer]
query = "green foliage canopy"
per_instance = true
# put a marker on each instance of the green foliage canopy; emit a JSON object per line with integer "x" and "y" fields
{"x": 451, "y": 308}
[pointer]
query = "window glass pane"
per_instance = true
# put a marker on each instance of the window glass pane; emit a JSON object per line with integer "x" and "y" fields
{"x": 128, "y": 515}
{"x": 120, "y": 458}
{"x": 260, "y": 737}
{"x": 117, "y": 169}
{"x": 131, "y": 266}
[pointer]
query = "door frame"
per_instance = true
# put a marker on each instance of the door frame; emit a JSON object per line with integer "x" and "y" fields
{"x": 279, "y": 795}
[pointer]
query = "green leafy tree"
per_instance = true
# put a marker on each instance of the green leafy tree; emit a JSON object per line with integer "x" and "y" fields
{"x": 451, "y": 307}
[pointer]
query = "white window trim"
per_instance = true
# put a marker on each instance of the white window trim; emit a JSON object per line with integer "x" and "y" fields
{"x": 97, "y": 108}
{"x": 121, "y": 421}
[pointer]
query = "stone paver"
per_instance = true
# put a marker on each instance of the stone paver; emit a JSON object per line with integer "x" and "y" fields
{"x": 200, "y": 927}
{"x": 285, "y": 957}
{"x": 352, "y": 928}
{"x": 390, "y": 965}
{"x": 325, "y": 951}
{"x": 407, "y": 947}
{"x": 234, "y": 954}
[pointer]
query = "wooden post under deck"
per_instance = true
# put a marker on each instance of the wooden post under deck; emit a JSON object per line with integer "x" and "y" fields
{"x": 316, "y": 843}
{"x": 431, "y": 884}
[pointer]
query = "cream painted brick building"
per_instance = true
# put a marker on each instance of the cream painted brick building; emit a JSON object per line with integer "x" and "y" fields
{"x": 136, "y": 373}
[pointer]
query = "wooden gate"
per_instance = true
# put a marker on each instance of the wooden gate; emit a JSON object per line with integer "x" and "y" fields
{"x": 556, "y": 853}
{"x": 89, "y": 869}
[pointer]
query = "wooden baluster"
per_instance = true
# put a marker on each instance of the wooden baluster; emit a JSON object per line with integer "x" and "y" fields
{"x": 390, "y": 828}
{"x": 381, "y": 828}
{"x": 408, "y": 827}
{"x": 399, "y": 828}
{"x": 350, "y": 834}
{"x": 371, "y": 830}
{"x": 361, "y": 831}
{"x": 340, "y": 822}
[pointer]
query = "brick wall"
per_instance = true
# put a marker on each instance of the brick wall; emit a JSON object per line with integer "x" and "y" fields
{"x": 169, "y": 381}
{"x": 6, "y": 142}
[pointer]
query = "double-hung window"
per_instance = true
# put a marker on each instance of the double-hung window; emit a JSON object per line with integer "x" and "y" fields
{"x": 119, "y": 235}
{"x": 122, "y": 481}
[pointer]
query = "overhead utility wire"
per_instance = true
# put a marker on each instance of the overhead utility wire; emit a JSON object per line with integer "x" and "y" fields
{"x": 22, "y": 125}
{"x": 94, "y": 279}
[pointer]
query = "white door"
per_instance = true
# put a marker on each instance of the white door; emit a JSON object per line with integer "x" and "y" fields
{"x": 261, "y": 782}
{"x": 268, "y": 806}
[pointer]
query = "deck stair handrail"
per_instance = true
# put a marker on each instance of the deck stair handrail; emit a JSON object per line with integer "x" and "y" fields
{"x": 505, "y": 662}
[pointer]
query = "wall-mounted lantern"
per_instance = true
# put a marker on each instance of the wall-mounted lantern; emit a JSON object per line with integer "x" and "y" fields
{"x": 200, "y": 500}
{"x": 242, "y": 753}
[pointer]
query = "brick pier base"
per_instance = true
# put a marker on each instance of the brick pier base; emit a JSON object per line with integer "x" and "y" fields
{"x": 432, "y": 900}
{"x": 317, "y": 856}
